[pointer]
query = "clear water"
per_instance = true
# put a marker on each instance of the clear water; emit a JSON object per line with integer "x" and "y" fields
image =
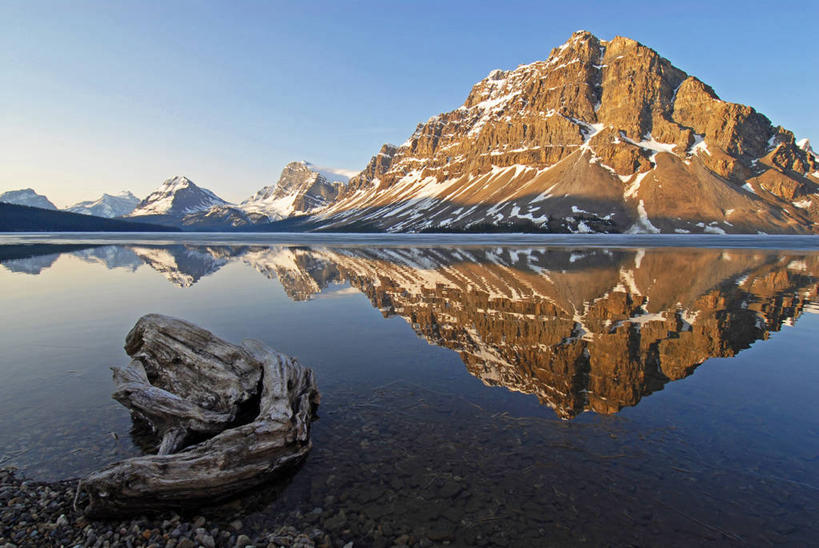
{"x": 473, "y": 391}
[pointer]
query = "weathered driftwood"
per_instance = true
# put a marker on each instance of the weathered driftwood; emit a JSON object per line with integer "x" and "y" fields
{"x": 172, "y": 417}
{"x": 235, "y": 459}
{"x": 192, "y": 363}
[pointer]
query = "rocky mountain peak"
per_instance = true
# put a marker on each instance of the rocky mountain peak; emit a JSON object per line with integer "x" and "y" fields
{"x": 804, "y": 144}
{"x": 177, "y": 197}
{"x": 301, "y": 189}
{"x": 177, "y": 182}
{"x": 369, "y": 176}
{"x": 600, "y": 136}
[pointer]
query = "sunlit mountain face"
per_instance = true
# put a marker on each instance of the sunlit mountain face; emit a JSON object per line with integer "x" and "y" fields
{"x": 582, "y": 329}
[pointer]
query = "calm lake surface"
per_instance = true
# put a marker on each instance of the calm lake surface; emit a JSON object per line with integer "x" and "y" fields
{"x": 476, "y": 392}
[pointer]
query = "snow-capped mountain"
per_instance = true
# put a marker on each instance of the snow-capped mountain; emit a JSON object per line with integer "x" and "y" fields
{"x": 805, "y": 145}
{"x": 302, "y": 188}
{"x": 107, "y": 205}
{"x": 603, "y": 136}
{"x": 26, "y": 197}
{"x": 177, "y": 197}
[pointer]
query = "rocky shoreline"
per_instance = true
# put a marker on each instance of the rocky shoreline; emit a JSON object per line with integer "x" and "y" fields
{"x": 42, "y": 514}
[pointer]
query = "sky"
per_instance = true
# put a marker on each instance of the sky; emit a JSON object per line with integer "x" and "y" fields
{"x": 100, "y": 96}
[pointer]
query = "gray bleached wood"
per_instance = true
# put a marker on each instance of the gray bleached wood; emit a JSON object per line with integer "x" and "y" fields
{"x": 192, "y": 363}
{"x": 171, "y": 416}
{"x": 238, "y": 457}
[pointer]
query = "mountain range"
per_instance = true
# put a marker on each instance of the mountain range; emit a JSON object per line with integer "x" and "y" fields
{"x": 602, "y": 136}
{"x": 107, "y": 205}
{"x": 302, "y": 189}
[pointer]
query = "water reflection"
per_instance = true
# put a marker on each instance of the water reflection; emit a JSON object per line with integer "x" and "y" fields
{"x": 586, "y": 329}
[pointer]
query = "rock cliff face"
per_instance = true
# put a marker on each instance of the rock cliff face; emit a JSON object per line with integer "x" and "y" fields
{"x": 301, "y": 189}
{"x": 602, "y": 136}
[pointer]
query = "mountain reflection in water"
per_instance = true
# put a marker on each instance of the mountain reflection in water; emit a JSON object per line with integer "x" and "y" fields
{"x": 586, "y": 329}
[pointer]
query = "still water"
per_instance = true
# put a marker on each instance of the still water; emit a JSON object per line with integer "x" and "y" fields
{"x": 473, "y": 394}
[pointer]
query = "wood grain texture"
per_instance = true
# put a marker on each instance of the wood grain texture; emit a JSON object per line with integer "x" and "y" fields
{"x": 238, "y": 456}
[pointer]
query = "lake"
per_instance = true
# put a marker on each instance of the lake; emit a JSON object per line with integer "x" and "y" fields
{"x": 509, "y": 390}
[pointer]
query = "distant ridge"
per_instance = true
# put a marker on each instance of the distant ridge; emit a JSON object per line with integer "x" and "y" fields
{"x": 18, "y": 218}
{"x": 26, "y": 197}
{"x": 107, "y": 205}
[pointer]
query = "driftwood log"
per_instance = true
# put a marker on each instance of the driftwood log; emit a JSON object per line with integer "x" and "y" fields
{"x": 188, "y": 384}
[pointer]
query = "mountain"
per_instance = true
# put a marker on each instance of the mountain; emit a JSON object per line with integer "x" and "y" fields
{"x": 805, "y": 145}
{"x": 301, "y": 189}
{"x": 26, "y": 197}
{"x": 17, "y": 218}
{"x": 175, "y": 198}
{"x": 107, "y": 205}
{"x": 332, "y": 174}
{"x": 603, "y": 136}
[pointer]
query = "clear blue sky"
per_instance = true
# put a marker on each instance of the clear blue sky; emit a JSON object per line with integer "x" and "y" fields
{"x": 108, "y": 95}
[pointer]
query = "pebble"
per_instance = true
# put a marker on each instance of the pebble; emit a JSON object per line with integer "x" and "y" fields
{"x": 42, "y": 514}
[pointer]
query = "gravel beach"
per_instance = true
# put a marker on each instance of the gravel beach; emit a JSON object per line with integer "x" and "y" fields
{"x": 43, "y": 514}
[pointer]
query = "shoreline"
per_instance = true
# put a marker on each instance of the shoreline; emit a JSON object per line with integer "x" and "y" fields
{"x": 780, "y": 242}
{"x": 40, "y": 513}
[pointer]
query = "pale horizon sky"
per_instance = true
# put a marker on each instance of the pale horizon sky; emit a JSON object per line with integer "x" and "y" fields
{"x": 99, "y": 96}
